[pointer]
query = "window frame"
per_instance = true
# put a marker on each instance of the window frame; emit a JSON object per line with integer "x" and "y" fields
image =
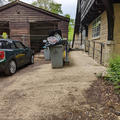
{"x": 19, "y": 43}
{"x": 5, "y": 45}
{"x": 96, "y": 28}
{"x": 13, "y": 45}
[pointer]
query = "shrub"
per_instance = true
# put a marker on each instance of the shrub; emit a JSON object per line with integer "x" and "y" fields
{"x": 114, "y": 72}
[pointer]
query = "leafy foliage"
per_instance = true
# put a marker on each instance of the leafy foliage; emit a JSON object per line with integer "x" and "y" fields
{"x": 55, "y": 8}
{"x": 114, "y": 72}
{"x": 49, "y": 5}
{"x": 71, "y": 28}
{"x": 71, "y": 32}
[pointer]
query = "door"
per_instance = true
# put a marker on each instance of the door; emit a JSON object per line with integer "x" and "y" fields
{"x": 20, "y": 53}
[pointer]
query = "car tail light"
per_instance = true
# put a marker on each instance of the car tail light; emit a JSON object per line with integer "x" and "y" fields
{"x": 2, "y": 55}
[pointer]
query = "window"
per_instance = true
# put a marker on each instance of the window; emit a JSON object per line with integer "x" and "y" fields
{"x": 96, "y": 28}
{"x": 4, "y": 45}
{"x": 12, "y": 46}
{"x": 19, "y": 45}
{"x": 1, "y": 45}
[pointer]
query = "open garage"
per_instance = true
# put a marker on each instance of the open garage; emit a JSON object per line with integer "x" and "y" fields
{"x": 4, "y": 27}
{"x": 30, "y": 24}
{"x": 39, "y": 31}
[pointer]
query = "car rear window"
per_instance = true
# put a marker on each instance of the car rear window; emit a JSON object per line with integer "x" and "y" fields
{"x": 4, "y": 45}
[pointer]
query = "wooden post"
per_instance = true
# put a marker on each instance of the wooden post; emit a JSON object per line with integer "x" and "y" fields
{"x": 85, "y": 45}
{"x": 94, "y": 50}
{"x": 101, "y": 56}
{"x": 89, "y": 48}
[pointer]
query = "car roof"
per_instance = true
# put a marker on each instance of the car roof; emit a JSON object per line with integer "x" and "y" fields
{"x": 8, "y": 40}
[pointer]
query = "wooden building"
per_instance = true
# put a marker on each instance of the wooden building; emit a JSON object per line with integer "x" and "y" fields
{"x": 30, "y": 24}
{"x": 97, "y": 28}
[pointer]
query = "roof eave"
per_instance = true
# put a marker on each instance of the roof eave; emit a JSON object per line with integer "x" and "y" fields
{"x": 17, "y": 2}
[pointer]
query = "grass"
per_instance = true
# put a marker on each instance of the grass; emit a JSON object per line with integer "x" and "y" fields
{"x": 113, "y": 75}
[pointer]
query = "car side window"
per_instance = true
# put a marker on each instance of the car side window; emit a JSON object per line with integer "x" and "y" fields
{"x": 13, "y": 46}
{"x": 4, "y": 45}
{"x": 19, "y": 45}
{"x": 8, "y": 45}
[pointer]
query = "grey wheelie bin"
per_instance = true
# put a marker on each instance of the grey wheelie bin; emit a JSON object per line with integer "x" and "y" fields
{"x": 56, "y": 53}
{"x": 47, "y": 54}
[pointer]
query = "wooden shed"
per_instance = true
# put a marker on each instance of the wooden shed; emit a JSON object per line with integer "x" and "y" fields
{"x": 30, "y": 24}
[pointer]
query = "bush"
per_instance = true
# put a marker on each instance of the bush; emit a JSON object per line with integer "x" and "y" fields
{"x": 114, "y": 72}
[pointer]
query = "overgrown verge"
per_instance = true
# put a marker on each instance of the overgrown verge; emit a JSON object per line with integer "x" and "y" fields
{"x": 113, "y": 75}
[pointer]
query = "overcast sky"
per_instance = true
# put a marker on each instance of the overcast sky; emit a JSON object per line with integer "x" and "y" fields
{"x": 68, "y": 6}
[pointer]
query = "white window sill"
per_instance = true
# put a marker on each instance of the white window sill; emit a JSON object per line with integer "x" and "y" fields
{"x": 95, "y": 38}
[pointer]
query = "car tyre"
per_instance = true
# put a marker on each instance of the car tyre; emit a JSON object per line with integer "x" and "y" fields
{"x": 11, "y": 68}
{"x": 32, "y": 59}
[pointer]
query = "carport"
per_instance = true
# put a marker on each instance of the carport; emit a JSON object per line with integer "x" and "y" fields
{"x": 4, "y": 27}
{"x": 30, "y": 24}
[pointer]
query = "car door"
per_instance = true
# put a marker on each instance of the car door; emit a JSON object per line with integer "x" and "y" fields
{"x": 20, "y": 53}
{"x": 27, "y": 53}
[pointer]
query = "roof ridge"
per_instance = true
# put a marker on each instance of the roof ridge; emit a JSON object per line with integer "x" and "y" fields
{"x": 34, "y": 7}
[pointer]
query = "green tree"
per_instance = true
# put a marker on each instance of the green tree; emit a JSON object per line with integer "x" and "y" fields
{"x": 44, "y": 4}
{"x": 55, "y": 8}
{"x": 49, "y": 5}
{"x": 71, "y": 27}
{"x": 67, "y": 15}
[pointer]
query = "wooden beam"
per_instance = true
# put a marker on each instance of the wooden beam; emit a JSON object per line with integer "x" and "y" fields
{"x": 110, "y": 15}
{"x": 2, "y": 28}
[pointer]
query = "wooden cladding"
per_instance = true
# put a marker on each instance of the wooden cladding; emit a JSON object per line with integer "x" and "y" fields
{"x": 19, "y": 28}
{"x": 25, "y": 14}
{"x": 25, "y": 20}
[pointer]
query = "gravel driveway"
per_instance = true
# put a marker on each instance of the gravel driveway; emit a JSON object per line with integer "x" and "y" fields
{"x": 38, "y": 91}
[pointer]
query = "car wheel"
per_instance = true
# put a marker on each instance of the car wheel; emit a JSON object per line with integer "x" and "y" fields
{"x": 32, "y": 59}
{"x": 11, "y": 69}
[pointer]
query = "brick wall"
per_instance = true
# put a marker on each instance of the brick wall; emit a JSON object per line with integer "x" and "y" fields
{"x": 117, "y": 29}
{"x": 109, "y": 48}
{"x": 104, "y": 29}
{"x": 99, "y": 40}
{"x": 77, "y": 41}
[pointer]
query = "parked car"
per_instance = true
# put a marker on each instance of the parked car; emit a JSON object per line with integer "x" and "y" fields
{"x": 13, "y": 55}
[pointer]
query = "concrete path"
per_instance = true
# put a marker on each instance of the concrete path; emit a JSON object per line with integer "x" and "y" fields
{"x": 39, "y": 90}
